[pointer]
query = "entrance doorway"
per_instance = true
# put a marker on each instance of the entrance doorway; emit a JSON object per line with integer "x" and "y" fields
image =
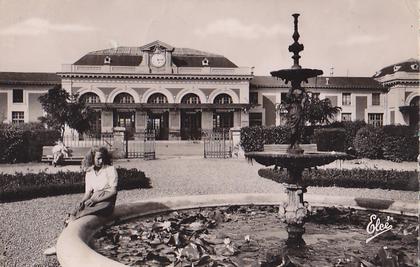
{"x": 125, "y": 119}
{"x": 159, "y": 123}
{"x": 414, "y": 112}
{"x": 190, "y": 125}
{"x": 222, "y": 121}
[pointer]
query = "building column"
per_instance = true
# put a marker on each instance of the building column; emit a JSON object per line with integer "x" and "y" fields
{"x": 207, "y": 121}
{"x": 118, "y": 146}
{"x": 244, "y": 118}
{"x": 107, "y": 121}
{"x": 141, "y": 121}
{"x": 175, "y": 125}
{"x": 237, "y": 119}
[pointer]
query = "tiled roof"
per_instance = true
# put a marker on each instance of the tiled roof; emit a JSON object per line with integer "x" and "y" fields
{"x": 319, "y": 82}
{"x": 116, "y": 60}
{"x": 409, "y": 65}
{"x": 132, "y": 56}
{"x": 196, "y": 61}
{"x": 29, "y": 78}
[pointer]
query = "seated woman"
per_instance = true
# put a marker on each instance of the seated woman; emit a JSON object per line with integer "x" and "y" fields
{"x": 59, "y": 152}
{"x": 101, "y": 182}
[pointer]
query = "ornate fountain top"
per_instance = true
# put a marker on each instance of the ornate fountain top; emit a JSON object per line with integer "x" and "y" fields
{"x": 296, "y": 48}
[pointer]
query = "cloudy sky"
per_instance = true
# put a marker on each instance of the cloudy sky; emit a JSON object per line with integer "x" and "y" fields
{"x": 355, "y": 37}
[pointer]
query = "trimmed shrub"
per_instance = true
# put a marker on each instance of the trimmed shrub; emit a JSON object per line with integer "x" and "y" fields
{"x": 400, "y": 143}
{"x": 368, "y": 142}
{"x": 32, "y": 185}
{"x": 354, "y": 178}
{"x": 252, "y": 138}
{"x": 330, "y": 139}
{"x": 351, "y": 128}
{"x": 23, "y": 143}
{"x": 276, "y": 135}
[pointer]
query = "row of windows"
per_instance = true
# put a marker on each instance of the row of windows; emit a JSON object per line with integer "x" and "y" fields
{"x": 157, "y": 98}
{"x": 375, "y": 119}
{"x": 346, "y": 99}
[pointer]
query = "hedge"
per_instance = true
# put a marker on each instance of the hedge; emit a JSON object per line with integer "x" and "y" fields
{"x": 330, "y": 139}
{"x": 351, "y": 128}
{"x": 24, "y": 142}
{"x": 254, "y": 138}
{"x": 32, "y": 185}
{"x": 354, "y": 178}
{"x": 396, "y": 143}
{"x": 400, "y": 143}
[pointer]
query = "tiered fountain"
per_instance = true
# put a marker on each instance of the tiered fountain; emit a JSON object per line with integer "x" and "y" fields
{"x": 295, "y": 160}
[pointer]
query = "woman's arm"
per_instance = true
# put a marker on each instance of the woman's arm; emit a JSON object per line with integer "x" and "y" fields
{"x": 105, "y": 195}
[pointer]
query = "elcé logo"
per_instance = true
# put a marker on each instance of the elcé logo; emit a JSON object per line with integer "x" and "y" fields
{"x": 376, "y": 228}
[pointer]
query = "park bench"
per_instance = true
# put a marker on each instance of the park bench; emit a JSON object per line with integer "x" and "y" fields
{"x": 282, "y": 148}
{"x": 76, "y": 154}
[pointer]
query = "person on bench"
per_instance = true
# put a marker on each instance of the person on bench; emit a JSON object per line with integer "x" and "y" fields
{"x": 101, "y": 182}
{"x": 59, "y": 152}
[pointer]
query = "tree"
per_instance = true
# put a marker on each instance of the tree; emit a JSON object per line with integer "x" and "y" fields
{"x": 315, "y": 111}
{"x": 319, "y": 111}
{"x": 65, "y": 109}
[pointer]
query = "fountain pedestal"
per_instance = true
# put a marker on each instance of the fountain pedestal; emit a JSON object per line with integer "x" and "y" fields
{"x": 293, "y": 213}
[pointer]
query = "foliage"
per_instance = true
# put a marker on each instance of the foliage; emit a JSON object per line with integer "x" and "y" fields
{"x": 353, "y": 178}
{"x": 400, "y": 143}
{"x": 330, "y": 139}
{"x": 32, "y": 185}
{"x": 368, "y": 142}
{"x": 396, "y": 143}
{"x": 252, "y": 138}
{"x": 276, "y": 135}
{"x": 320, "y": 111}
{"x": 316, "y": 111}
{"x": 24, "y": 142}
{"x": 351, "y": 128}
{"x": 63, "y": 108}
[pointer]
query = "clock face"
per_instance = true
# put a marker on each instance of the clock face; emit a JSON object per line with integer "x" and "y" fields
{"x": 158, "y": 59}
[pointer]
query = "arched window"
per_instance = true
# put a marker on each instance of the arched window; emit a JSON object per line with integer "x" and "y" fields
{"x": 223, "y": 99}
{"x": 90, "y": 98}
{"x": 157, "y": 98}
{"x": 124, "y": 98}
{"x": 191, "y": 99}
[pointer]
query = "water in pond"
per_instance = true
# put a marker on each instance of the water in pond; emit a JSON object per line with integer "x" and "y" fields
{"x": 254, "y": 236}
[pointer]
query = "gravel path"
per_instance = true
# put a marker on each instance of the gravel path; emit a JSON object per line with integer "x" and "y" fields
{"x": 29, "y": 227}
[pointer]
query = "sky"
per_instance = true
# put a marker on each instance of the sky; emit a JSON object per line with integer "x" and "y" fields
{"x": 346, "y": 37}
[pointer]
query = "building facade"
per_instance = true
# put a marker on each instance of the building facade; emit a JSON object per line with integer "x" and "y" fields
{"x": 19, "y": 93}
{"x": 183, "y": 93}
{"x": 179, "y": 93}
{"x": 361, "y": 98}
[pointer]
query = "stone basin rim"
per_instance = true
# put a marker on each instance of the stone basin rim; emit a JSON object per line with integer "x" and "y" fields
{"x": 72, "y": 248}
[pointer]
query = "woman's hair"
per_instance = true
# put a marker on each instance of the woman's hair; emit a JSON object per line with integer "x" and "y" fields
{"x": 87, "y": 161}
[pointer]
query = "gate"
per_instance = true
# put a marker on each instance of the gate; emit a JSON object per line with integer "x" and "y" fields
{"x": 140, "y": 145}
{"x": 218, "y": 144}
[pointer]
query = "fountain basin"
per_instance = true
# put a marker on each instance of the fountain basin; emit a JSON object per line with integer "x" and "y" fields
{"x": 292, "y": 161}
{"x": 72, "y": 245}
{"x": 297, "y": 74}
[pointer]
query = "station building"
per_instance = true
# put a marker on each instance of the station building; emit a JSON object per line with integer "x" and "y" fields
{"x": 182, "y": 93}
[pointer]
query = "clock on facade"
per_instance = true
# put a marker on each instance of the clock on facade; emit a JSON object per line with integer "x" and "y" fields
{"x": 158, "y": 59}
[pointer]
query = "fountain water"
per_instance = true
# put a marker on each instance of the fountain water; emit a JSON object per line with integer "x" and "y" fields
{"x": 295, "y": 160}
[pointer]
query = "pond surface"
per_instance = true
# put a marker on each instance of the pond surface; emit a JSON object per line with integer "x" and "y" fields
{"x": 254, "y": 236}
